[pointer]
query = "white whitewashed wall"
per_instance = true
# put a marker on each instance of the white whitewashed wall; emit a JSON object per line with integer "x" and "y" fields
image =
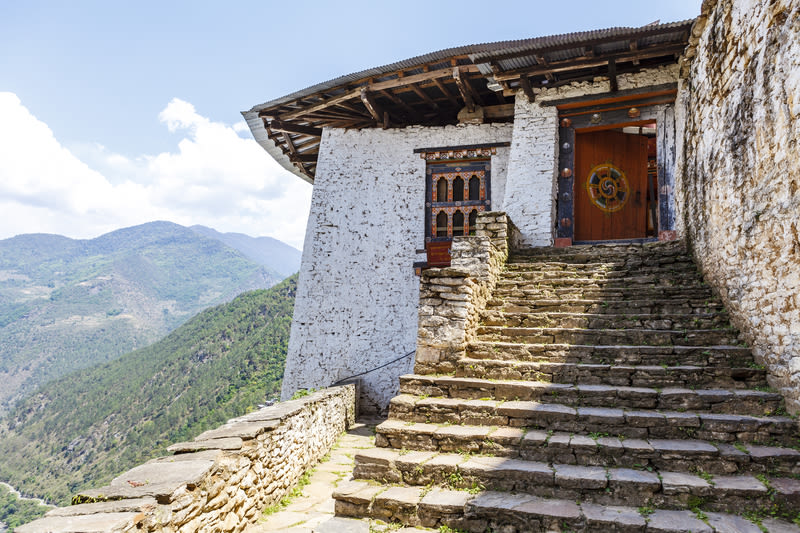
{"x": 356, "y": 305}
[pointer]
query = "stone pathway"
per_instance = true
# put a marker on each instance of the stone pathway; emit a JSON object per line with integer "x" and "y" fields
{"x": 313, "y": 511}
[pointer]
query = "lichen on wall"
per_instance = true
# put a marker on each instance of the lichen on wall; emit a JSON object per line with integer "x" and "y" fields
{"x": 356, "y": 305}
{"x": 739, "y": 172}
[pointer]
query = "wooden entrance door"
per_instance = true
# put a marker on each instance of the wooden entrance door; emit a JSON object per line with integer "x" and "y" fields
{"x": 610, "y": 186}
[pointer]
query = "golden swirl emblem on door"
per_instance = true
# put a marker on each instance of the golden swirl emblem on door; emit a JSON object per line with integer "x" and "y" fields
{"x": 607, "y": 187}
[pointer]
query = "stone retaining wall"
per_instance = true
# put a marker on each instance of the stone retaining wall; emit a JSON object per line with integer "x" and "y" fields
{"x": 739, "y": 172}
{"x": 450, "y": 299}
{"x": 221, "y": 481}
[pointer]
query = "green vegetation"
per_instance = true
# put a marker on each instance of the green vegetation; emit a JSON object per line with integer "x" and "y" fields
{"x": 15, "y": 511}
{"x": 69, "y": 304}
{"x": 83, "y": 429}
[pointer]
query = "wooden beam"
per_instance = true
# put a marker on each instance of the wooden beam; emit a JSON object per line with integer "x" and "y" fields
{"x": 375, "y": 87}
{"x": 425, "y": 98}
{"x": 372, "y": 106}
{"x": 574, "y": 102}
{"x": 498, "y": 111}
{"x": 396, "y": 100}
{"x": 612, "y": 75}
{"x": 525, "y": 83}
{"x": 571, "y": 64}
{"x": 634, "y": 46}
{"x": 464, "y": 89}
{"x": 634, "y": 33}
{"x": 542, "y": 61}
{"x": 277, "y": 125}
{"x": 443, "y": 89}
{"x": 303, "y": 158}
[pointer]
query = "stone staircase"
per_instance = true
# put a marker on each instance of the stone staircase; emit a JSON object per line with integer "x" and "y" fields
{"x": 605, "y": 390}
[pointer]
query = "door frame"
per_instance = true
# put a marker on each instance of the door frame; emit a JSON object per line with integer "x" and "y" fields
{"x": 609, "y": 111}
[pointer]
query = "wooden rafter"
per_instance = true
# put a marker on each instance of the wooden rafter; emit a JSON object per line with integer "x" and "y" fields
{"x": 441, "y": 86}
{"x": 277, "y": 125}
{"x": 542, "y": 61}
{"x": 396, "y": 100}
{"x": 637, "y": 33}
{"x": 464, "y": 89}
{"x": 427, "y": 99}
{"x": 571, "y": 64}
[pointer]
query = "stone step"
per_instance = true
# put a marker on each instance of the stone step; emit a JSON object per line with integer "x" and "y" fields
{"x": 601, "y": 294}
{"x": 606, "y": 268}
{"x": 631, "y": 423}
{"x": 736, "y": 401}
{"x": 612, "y": 306}
{"x": 719, "y": 356}
{"x": 449, "y": 510}
{"x": 629, "y": 282}
{"x": 582, "y": 253}
{"x": 593, "y": 449}
{"x": 680, "y": 321}
{"x": 661, "y": 489}
{"x": 663, "y": 376}
{"x": 647, "y": 337}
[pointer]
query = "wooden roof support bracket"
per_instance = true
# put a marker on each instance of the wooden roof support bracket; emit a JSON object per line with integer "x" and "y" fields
{"x": 525, "y": 83}
{"x": 612, "y": 75}
{"x": 372, "y": 106}
{"x": 463, "y": 88}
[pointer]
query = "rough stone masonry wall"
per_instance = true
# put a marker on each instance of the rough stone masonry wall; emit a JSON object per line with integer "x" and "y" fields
{"x": 739, "y": 172}
{"x": 222, "y": 480}
{"x": 533, "y": 162}
{"x": 451, "y": 299}
{"x": 356, "y": 305}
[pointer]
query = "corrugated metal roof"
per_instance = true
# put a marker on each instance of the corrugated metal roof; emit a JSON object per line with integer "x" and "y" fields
{"x": 482, "y": 53}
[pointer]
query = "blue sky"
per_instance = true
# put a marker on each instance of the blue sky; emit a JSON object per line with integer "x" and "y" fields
{"x": 140, "y": 101}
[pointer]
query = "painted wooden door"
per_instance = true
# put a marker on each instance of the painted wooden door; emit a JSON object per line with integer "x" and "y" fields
{"x": 610, "y": 186}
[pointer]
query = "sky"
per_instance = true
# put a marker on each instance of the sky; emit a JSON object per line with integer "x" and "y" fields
{"x": 116, "y": 113}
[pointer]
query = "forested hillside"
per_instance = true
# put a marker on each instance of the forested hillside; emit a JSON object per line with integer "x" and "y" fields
{"x": 84, "y": 428}
{"x": 68, "y": 304}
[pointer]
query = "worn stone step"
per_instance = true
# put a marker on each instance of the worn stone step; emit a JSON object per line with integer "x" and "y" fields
{"x": 647, "y": 337}
{"x": 660, "y": 376}
{"x": 505, "y": 512}
{"x": 593, "y": 449}
{"x": 741, "y": 401}
{"x": 612, "y": 306}
{"x": 615, "y": 269}
{"x": 679, "y": 321}
{"x": 627, "y": 252}
{"x": 599, "y": 484}
{"x": 631, "y": 281}
{"x": 631, "y": 423}
{"x": 602, "y": 294}
{"x": 671, "y": 355}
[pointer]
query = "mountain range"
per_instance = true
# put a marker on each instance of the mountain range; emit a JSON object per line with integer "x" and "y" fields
{"x": 68, "y": 304}
{"x": 82, "y": 429}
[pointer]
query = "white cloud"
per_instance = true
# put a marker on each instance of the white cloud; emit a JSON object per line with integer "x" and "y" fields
{"x": 215, "y": 177}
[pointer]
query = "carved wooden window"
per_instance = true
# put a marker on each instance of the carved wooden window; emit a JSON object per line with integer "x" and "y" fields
{"x": 456, "y": 192}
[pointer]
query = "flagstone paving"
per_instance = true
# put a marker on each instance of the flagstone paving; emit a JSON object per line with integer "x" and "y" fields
{"x": 313, "y": 510}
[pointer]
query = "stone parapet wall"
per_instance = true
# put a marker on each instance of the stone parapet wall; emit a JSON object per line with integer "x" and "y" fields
{"x": 221, "y": 481}
{"x": 739, "y": 172}
{"x": 451, "y": 298}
